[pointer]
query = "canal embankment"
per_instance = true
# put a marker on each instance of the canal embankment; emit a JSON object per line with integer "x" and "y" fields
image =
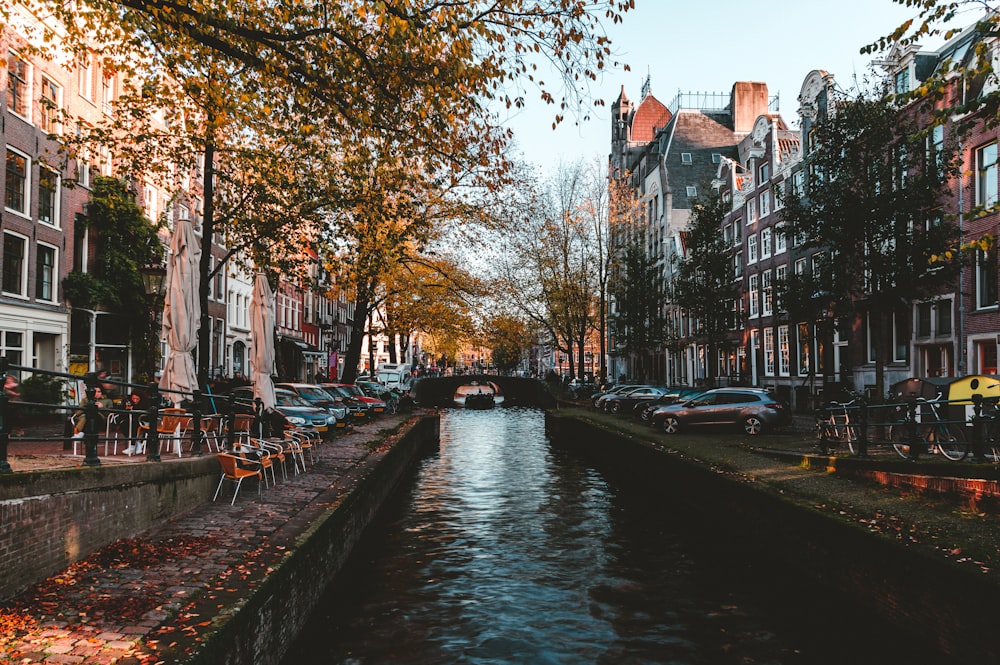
{"x": 916, "y": 557}
{"x": 207, "y": 583}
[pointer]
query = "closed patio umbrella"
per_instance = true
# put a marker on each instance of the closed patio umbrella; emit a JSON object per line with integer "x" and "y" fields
{"x": 262, "y": 340}
{"x": 182, "y": 312}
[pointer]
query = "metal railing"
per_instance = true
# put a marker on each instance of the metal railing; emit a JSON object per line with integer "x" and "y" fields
{"x": 12, "y": 405}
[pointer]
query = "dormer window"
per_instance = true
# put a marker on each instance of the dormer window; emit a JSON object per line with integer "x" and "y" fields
{"x": 716, "y": 158}
{"x": 686, "y": 158}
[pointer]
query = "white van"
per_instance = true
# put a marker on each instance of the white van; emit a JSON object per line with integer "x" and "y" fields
{"x": 395, "y": 375}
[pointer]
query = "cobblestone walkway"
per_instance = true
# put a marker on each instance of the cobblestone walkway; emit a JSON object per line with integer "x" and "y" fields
{"x": 122, "y": 603}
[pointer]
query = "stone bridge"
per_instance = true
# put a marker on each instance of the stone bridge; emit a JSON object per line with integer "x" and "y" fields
{"x": 439, "y": 391}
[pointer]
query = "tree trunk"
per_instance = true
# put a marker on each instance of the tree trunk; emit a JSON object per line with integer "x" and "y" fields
{"x": 204, "y": 265}
{"x": 353, "y": 354}
{"x": 392, "y": 347}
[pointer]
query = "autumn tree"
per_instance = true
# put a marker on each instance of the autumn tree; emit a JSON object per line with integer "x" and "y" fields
{"x": 873, "y": 207}
{"x": 703, "y": 285}
{"x": 508, "y": 338}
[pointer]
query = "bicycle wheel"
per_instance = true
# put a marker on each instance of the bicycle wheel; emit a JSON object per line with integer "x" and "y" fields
{"x": 898, "y": 436}
{"x": 951, "y": 441}
{"x": 991, "y": 444}
{"x": 852, "y": 434}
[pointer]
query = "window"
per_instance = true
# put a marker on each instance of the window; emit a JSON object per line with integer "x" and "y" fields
{"x": 765, "y": 204}
{"x": 16, "y": 191}
{"x": 903, "y": 81}
{"x": 767, "y": 287}
{"x": 17, "y": 84}
{"x": 935, "y": 150}
{"x": 900, "y": 337}
{"x": 14, "y": 253}
{"x": 924, "y": 319}
{"x": 49, "y": 103}
{"x": 48, "y": 196}
{"x": 784, "y": 359}
{"x": 942, "y": 319}
{"x": 779, "y": 195}
{"x": 805, "y": 342}
{"x": 765, "y": 243}
{"x": 738, "y": 264}
{"x": 986, "y": 356}
{"x": 780, "y": 241}
{"x": 12, "y": 345}
{"x": 764, "y": 172}
{"x": 85, "y": 70}
{"x": 727, "y": 235}
{"x": 752, "y": 248}
{"x": 692, "y": 191}
{"x": 986, "y": 279}
{"x": 752, "y": 293}
{"x": 686, "y": 158}
{"x": 780, "y": 277}
{"x": 107, "y": 94}
{"x": 751, "y": 211}
{"x": 986, "y": 175}
{"x": 800, "y": 266}
{"x": 45, "y": 273}
{"x": 716, "y": 158}
{"x": 798, "y": 184}
{"x": 768, "y": 352}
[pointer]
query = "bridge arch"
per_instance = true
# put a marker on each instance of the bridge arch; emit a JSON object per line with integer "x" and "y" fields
{"x": 439, "y": 391}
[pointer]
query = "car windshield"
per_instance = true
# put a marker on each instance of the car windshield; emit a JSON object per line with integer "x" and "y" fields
{"x": 337, "y": 391}
{"x": 290, "y": 399}
{"x": 353, "y": 390}
{"x": 314, "y": 393}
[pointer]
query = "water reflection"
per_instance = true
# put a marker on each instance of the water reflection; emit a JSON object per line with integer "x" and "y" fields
{"x": 506, "y": 551}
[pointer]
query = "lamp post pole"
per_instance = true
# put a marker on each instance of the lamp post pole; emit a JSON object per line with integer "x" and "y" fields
{"x": 154, "y": 279}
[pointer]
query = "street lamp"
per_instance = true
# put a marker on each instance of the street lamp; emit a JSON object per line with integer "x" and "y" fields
{"x": 154, "y": 281}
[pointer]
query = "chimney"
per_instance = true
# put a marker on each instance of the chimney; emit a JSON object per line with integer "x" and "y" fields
{"x": 748, "y": 101}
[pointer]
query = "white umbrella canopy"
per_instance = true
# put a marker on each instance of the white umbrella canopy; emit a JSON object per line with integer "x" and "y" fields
{"x": 182, "y": 312}
{"x": 262, "y": 340}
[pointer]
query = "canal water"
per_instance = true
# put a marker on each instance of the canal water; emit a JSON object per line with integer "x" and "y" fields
{"x": 504, "y": 549}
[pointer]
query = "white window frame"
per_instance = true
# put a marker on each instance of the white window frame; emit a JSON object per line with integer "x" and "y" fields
{"x": 23, "y": 279}
{"x": 26, "y": 187}
{"x": 692, "y": 191}
{"x": 751, "y": 249}
{"x": 987, "y": 179}
{"x": 716, "y": 157}
{"x": 48, "y": 109}
{"x": 765, "y": 204}
{"x": 85, "y": 74}
{"x": 780, "y": 242}
{"x": 686, "y": 158}
{"x": 56, "y": 196}
{"x": 751, "y": 211}
{"x": 784, "y": 352}
{"x": 765, "y": 243}
{"x": 767, "y": 289}
{"x": 768, "y": 351}
{"x": 753, "y": 308}
{"x": 55, "y": 272}
{"x": 25, "y": 93}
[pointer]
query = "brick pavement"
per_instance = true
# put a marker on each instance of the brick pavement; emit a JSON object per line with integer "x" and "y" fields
{"x": 121, "y": 604}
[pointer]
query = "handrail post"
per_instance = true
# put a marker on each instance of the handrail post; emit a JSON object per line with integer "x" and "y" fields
{"x": 5, "y": 417}
{"x": 196, "y": 435}
{"x": 978, "y": 429}
{"x": 911, "y": 433}
{"x": 230, "y": 423}
{"x": 90, "y": 428}
{"x": 153, "y": 433}
{"x": 863, "y": 429}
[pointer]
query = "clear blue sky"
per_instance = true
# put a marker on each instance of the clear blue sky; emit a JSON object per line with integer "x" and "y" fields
{"x": 697, "y": 46}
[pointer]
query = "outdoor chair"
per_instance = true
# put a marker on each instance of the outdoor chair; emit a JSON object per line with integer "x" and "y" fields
{"x": 235, "y": 469}
{"x": 173, "y": 425}
{"x": 212, "y": 433}
{"x": 255, "y": 449}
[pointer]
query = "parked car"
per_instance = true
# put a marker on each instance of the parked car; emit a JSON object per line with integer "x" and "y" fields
{"x": 315, "y": 395}
{"x": 346, "y": 394}
{"x": 752, "y": 408}
{"x": 610, "y": 390}
{"x": 644, "y": 410}
{"x": 297, "y": 411}
{"x": 624, "y": 402}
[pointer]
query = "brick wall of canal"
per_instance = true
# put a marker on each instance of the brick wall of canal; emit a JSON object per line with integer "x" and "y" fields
{"x": 930, "y": 601}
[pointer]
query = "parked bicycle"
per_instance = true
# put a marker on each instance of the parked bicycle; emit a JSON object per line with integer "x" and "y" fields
{"x": 838, "y": 424}
{"x": 934, "y": 434}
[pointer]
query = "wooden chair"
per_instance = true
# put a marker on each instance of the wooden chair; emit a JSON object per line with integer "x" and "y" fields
{"x": 236, "y": 468}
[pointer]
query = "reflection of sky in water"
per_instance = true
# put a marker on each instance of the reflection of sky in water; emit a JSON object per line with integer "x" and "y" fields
{"x": 508, "y": 552}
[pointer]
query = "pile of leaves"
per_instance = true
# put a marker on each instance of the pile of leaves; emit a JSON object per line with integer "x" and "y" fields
{"x": 75, "y": 592}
